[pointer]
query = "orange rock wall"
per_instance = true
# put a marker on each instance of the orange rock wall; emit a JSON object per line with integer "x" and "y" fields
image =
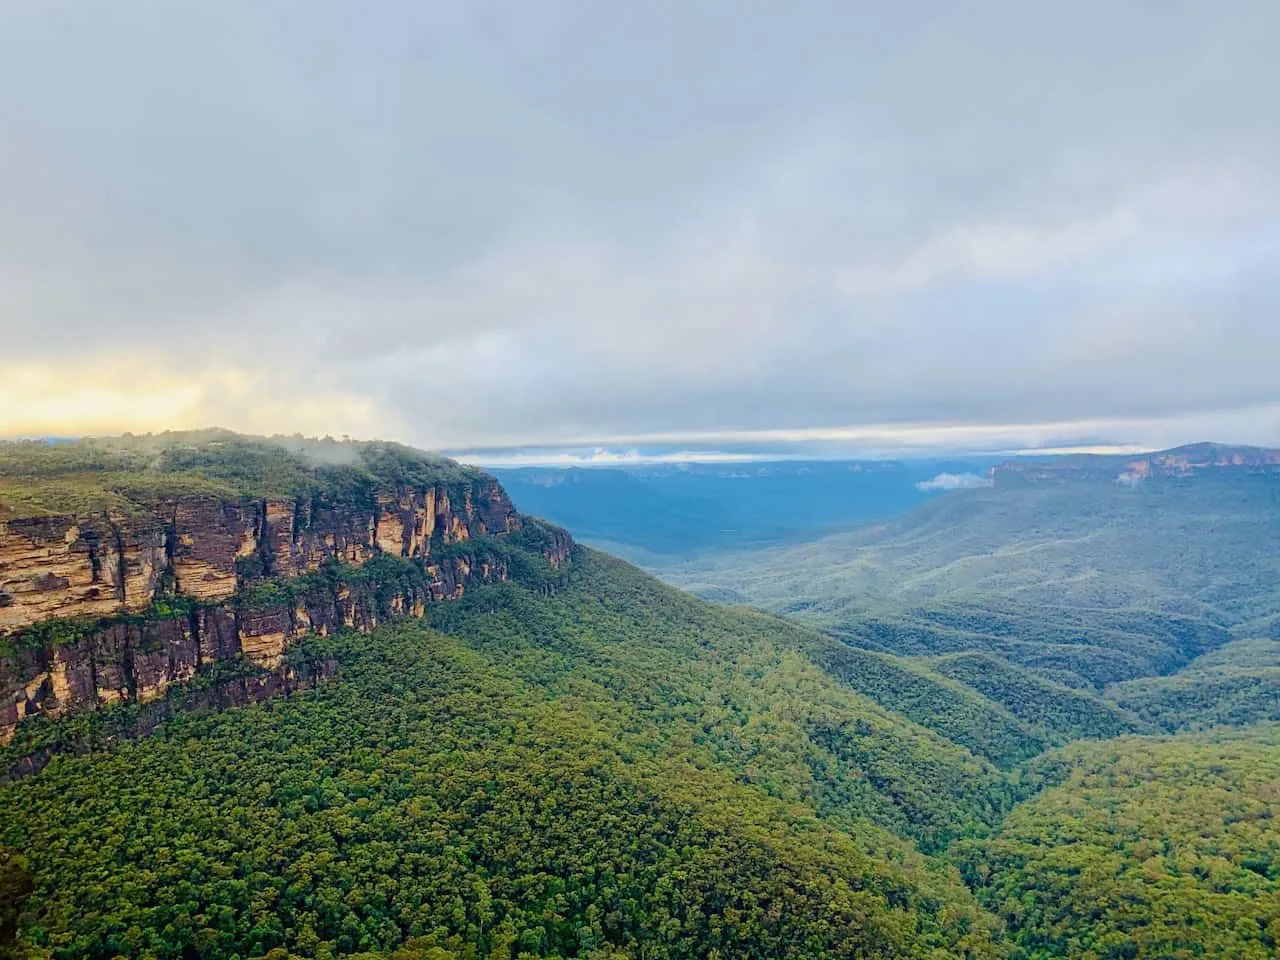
{"x": 139, "y": 658}
{"x": 108, "y": 571}
{"x": 207, "y": 548}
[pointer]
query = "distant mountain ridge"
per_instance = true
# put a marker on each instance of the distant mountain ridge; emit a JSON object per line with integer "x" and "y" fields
{"x": 1090, "y": 570}
{"x": 1185, "y": 461}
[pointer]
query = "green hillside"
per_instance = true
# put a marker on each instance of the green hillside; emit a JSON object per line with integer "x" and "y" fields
{"x": 619, "y": 770}
{"x": 933, "y": 700}
{"x": 1040, "y": 598}
{"x": 1076, "y": 646}
{"x": 1170, "y": 564}
{"x": 1144, "y": 849}
{"x": 1061, "y": 713}
{"x": 586, "y": 762}
{"x": 124, "y": 473}
{"x": 738, "y": 686}
{"x": 1236, "y": 685}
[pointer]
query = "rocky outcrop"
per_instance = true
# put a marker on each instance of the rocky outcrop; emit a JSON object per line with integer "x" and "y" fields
{"x": 102, "y": 609}
{"x": 236, "y": 691}
{"x": 78, "y": 566}
{"x": 1201, "y": 459}
{"x": 137, "y": 658}
{"x": 208, "y": 548}
{"x": 557, "y": 547}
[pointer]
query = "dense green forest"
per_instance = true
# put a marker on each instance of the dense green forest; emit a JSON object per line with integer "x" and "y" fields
{"x": 1144, "y": 848}
{"x": 1011, "y": 620}
{"x": 1020, "y": 724}
{"x": 933, "y": 700}
{"x": 1159, "y": 572}
{"x": 617, "y": 770}
{"x": 1083, "y": 609}
{"x": 1236, "y": 685}
{"x": 1063, "y": 713}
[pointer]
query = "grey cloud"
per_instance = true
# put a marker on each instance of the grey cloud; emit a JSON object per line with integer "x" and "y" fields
{"x": 529, "y": 222}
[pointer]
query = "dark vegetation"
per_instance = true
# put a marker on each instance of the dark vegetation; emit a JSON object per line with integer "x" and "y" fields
{"x": 218, "y": 686}
{"x": 1062, "y": 713}
{"x": 1078, "y": 611}
{"x": 1085, "y": 609}
{"x": 931, "y": 699}
{"x": 1236, "y": 685}
{"x": 1171, "y": 561}
{"x": 621, "y": 770}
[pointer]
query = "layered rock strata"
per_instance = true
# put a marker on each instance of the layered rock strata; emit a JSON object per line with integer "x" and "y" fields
{"x": 98, "y": 609}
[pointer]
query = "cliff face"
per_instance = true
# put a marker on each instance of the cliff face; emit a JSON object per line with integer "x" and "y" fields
{"x": 236, "y": 691}
{"x": 105, "y": 608}
{"x": 1199, "y": 459}
{"x": 207, "y": 548}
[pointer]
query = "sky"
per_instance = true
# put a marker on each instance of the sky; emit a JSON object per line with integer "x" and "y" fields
{"x": 682, "y": 224}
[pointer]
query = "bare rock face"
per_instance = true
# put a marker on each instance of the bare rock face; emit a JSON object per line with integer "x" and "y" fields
{"x": 206, "y": 548}
{"x": 234, "y": 692}
{"x": 558, "y": 548}
{"x": 76, "y": 566}
{"x": 100, "y": 609}
{"x": 205, "y": 537}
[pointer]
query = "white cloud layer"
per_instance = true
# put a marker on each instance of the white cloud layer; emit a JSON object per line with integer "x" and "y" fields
{"x": 577, "y": 223}
{"x": 953, "y": 481}
{"x": 601, "y": 457}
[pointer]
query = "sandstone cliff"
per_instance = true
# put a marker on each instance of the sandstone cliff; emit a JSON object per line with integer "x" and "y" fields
{"x": 238, "y": 689}
{"x": 206, "y": 547}
{"x": 121, "y": 603}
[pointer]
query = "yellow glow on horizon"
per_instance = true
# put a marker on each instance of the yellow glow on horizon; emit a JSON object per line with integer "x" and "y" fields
{"x": 132, "y": 395}
{"x": 145, "y": 393}
{"x": 49, "y": 401}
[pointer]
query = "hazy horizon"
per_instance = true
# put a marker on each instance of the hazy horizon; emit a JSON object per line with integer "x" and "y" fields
{"x": 741, "y": 452}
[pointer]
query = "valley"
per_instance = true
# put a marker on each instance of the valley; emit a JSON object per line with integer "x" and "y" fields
{"x": 639, "y": 481}
{"x": 1031, "y": 720}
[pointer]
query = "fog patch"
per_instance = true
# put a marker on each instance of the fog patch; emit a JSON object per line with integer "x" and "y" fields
{"x": 954, "y": 481}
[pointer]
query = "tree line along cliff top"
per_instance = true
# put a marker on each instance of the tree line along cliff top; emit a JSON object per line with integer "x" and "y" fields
{"x": 129, "y": 474}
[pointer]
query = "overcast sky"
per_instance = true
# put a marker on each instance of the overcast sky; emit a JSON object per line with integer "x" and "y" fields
{"x": 975, "y": 224}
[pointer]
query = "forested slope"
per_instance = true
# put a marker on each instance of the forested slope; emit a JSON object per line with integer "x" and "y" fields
{"x": 619, "y": 767}
{"x": 933, "y": 700}
{"x": 1145, "y": 848}
{"x": 1169, "y": 564}
{"x": 618, "y": 770}
{"x": 1235, "y": 685}
{"x": 580, "y": 761}
{"x": 1083, "y": 607}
